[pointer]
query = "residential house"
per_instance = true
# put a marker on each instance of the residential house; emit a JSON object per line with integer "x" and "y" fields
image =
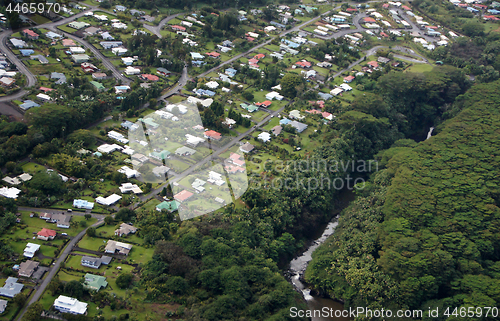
{"x": 26, "y": 52}
{"x": 129, "y": 187}
{"x": 373, "y": 64}
{"x": 163, "y": 72}
{"x": 108, "y": 201}
{"x": 30, "y": 34}
{"x": 183, "y": 196}
{"x": 61, "y": 78}
{"x": 276, "y": 130}
{"x": 7, "y": 82}
{"x": 300, "y": 127}
{"x": 11, "y": 288}
{"x": 264, "y": 137}
{"x": 31, "y": 249}
{"x": 132, "y": 71}
{"x": 61, "y": 220}
{"x": 119, "y": 51}
{"x": 349, "y": 79}
{"x": 149, "y": 77}
{"x": 160, "y": 171}
{"x": 92, "y": 30}
{"x": 110, "y": 44}
{"x": 125, "y": 229}
{"x": 383, "y": 60}
{"x": 212, "y": 135}
{"x": 68, "y": 43}
{"x": 27, "y": 104}
{"x": 117, "y": 247}
{"x": 99, "y": 76}
{"x": 184, "y": 151}
{"x": 18, "y": 43}
{"x": 80, "y": 58}
{"x": 78, "y": 25}
{"x": 46, "y": 234}
{"x": 3, "y": 305}
{"x": 178, "y": 28}
{"x": 170, "y": 206}
{"x": 70, "y": 305}
{"x": 91, "y": 262}
{"x": 26, "y": 269}
{"x": 95, "y": 282}
{"x": 97, "y": 85}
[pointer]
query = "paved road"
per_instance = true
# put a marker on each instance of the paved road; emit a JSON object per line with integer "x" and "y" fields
{"x": 31, "y": 79}
{"x": 54, "y": 211}
{"x": 156, "y": 29}
{"x": 55, "y": 268}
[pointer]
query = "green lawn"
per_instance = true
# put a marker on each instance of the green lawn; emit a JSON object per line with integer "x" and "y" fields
{"x": 91, "y": 243}
{"x": 419, "y": 68}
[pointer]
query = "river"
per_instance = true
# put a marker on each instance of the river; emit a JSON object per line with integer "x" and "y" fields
{"x": 298, "y": 265}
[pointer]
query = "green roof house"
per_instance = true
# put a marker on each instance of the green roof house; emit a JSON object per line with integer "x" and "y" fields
{"x": 170, "y": 206}
{"x": 164, "y": 154}
{"x": 250, "y": 108}
{"x": 98, "y": 85}
{"x": 149, "y": 122}
{"x": 95, "y": 282}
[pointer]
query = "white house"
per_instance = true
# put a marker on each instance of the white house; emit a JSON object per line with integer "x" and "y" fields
{"x": 117, "y": 136}
{"x": 110, "y": 200}
{"x": 264, "y": 137}
{"x": 31, "y": 249}
{"x": 132, "y": 71}
{"x": 70, "y": 305}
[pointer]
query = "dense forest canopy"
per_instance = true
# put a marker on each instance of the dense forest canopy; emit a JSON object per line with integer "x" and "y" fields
{"x": 425, "y": 232}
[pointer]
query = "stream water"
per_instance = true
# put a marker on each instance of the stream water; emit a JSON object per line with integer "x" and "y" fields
{"x": 298, "y": 267}
{"x": 429, "y": 134}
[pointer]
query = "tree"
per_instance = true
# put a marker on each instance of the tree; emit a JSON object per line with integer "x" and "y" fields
{"x": 109, "y": 220}
{"x": 87, "y": 216}
{"x": 125, "y": 215}
{"x": 33, "y": 313}
{"x": 248, "y": 95}
{"x": 473, "y": 29}
{"x": 54, "y": 286}
{"x": 82, "y": 135}
{"x": 124, "y": 280}
{"x": 289, "y": 84}
{"x": 91, "y": 231}
{"x": 49, "y": 183}
{"x": 74, "y": 289}
{"x": 20, "y": 299}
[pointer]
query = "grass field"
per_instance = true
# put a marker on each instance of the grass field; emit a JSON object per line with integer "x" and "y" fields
{"x": 419, "y": 68}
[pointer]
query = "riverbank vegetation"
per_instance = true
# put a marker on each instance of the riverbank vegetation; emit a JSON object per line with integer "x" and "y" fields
{"x": 424, "y": 232}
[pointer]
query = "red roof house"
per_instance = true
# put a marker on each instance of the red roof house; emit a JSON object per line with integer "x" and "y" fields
{"x": 46, "y": 234}
{"x": 149, "y": 77}
{"x": 368, "y": 19}
{"x": 236, "y": 159}
{"x": 249, "y": 38}
{"x": 45, "y": 89}
{"x": 348, "y": 79}
{"x": 385, "y": 5}
{"x": 303, "y": 64}
{"x": 259, "y": 56}
{"x": 30, "y": 34}
{"x": 373, "y": 64}
{"x": 213, "y": 134}
{"x": 178, "y": 28}
{"x": 182, "y": 196}
{"x": 253, "y": 61}
{"x": 383, "y": 34}
{"x": 213, "y": 54}
{"x": 406, "y": 8}
{"x": 352, "y": 10}
{"x": 266, "y": 104}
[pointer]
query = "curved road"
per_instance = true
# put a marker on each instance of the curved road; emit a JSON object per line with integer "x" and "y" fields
{"x": 156, "y": 29}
